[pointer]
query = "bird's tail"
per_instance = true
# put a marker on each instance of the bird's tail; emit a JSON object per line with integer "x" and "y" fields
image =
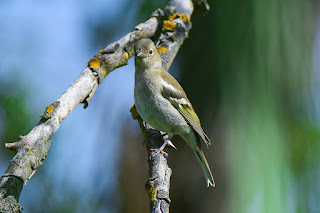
{"x": 205, "y": 167}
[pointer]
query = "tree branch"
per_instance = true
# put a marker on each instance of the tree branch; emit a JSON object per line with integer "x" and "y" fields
{"x": 158, "y": 183}
{"x": 32, "y": 149}
{"x": 175, "y": 29}
{"x": 174, "y": 24}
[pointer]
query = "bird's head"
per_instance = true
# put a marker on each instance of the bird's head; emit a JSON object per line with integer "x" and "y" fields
{"x": 146, "y": 54}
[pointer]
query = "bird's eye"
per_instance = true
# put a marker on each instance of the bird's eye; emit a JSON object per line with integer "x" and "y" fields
{"x": 150, "y": 51}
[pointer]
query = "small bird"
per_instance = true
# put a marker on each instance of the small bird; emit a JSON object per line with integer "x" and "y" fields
{"x": 163, "y": 104}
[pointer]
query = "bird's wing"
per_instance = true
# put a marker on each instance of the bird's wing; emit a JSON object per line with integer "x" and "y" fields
{"x": 178, "y": 98}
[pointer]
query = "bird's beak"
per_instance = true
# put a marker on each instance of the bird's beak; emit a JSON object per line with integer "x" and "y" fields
{"x": 141, "y": 55}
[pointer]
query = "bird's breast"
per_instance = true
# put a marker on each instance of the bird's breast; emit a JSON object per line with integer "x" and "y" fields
{"x": 155, "y": 109}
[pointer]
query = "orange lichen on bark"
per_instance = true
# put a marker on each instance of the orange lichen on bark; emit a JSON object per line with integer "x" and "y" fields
{"x": 142, "y": 34}
{"x": 48, "y": 112}
{"x": 181, "y": 15}
{"x": 184, "y": 17}
{"x": 151, "y": 191}
{"x": 168, "y": 25}
{"x": 50, "y": 109}
{"x": 162, "y": 50}
{"x": 94, "y": 63}
{"x": 32, "y": 150}
{"x": 125, "y": 54}
{"x": 134, "y": 112}
{"x": 171, "y": 17}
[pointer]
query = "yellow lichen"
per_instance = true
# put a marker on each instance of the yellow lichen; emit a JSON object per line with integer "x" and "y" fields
{"x": 171, "y": 17}
{"x": 168, "y": 25}
{"x": 184, "y": 17}
{"x": 134, "y": 112}
{"x": 50, "y": 109}
{"x": 144, "y": 33}
{"x": 181, "y": 15}
{"x": 151, "y": 191}
{"x": 94, "y": 63}
{"x": 104, "y": 72}
{"x": 125, "y": 54}
{"x": 137, "y": 38}
{"x": 100, "y": 51}
{"x": 162, "y": 50}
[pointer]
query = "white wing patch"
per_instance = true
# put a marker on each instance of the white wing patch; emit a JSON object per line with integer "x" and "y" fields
{"x": 168, "y": 86}
{"x": 181, "y": 101}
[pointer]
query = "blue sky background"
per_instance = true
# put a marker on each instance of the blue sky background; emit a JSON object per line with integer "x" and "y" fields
{"x": 52, "y": 43}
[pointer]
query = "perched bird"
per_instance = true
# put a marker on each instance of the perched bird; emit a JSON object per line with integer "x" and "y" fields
{"x": 162, "y": 103}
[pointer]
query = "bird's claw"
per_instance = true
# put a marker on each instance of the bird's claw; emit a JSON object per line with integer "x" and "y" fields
{"x": 167, "y": 141}
{"x": 158, "y": 151}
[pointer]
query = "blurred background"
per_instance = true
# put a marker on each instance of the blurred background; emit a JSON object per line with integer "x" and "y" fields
{"x": 250, "y": 68}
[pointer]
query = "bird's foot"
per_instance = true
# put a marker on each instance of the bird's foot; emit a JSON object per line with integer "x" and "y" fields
{"x": 160, "y": 150}
{"x": 167, "y": 141}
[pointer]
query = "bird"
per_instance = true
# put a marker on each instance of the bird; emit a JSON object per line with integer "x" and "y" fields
{"x": 162, "y": 103}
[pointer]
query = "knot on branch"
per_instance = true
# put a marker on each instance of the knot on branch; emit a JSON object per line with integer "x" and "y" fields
{"x": 16, "y": 146}
{"x": 26, "y": 161}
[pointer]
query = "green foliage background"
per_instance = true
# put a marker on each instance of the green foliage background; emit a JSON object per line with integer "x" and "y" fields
{"x": 247, "y": 69}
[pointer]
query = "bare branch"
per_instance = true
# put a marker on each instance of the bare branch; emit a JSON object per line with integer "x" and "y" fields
{"x": 175, "y": 28}
{"x": 174, "y": 24}
{"x": 158, "y": 183}
{"x": 32, "y": 149}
